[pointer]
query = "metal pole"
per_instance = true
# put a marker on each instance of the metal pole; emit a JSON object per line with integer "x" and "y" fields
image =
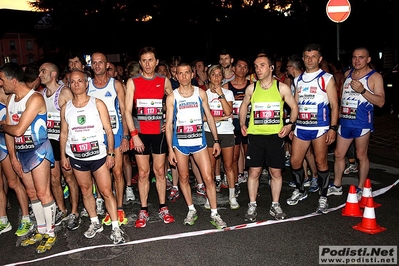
{"x": 338, "y": 48}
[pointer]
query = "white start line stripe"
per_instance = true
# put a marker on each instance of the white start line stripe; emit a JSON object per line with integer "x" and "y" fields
{"x": 202, "y": 232}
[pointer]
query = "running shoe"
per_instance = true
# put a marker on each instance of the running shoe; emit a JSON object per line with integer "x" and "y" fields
{"x": 122, "y": 217}
{"x": 217, "y": 221}
{"x": 241, "y": 179}
{"x": 36, "y": 237}
{"x": 359, "y": 193}
{"x": 100, "y": 206}
{"x": 165, "y": 215}
{"x": 94, "y": 228}
{"x": 207, "y": 205}
{"x": 296, "y": 197}
{"x": 200, "y": 190}
{"x": 265, "y": 172}
{"x": 46, "y": 243}
{"x": 334, "y": 190}
{"x": 74, "y": 222}
{"x": 107, "y": 220}
{"x": 24, "y": 228}
{"x": 4, "y": 228}
{"x": 135, "y": 179}
{"x": 314, "y": 185}
{"x": 276, "y": 211}
{"x": 60, "y": 216}
{"x": 250, "y": 215}
{"x": 117, "y": 236}
{"x": 323, "y": 205}
{"x": 306, "y": 183}
{"x": 129, "y": 194}
{"x": 218, "y": 184}
{"x": 142, "y": 219}
{"x": 169, "y": 184}
{"x": 84, "y": 213}
{"x": 191, "y": 217}
{"x": 224, "y": 183}
{"x": 352, "y": 168}
{"x": 233, "y": 203}
{"x": 174, "y": 194}
{"x": 237, "y": 190}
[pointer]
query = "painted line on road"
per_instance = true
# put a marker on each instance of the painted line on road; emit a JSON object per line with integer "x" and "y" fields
{"x": 202, "y": 232}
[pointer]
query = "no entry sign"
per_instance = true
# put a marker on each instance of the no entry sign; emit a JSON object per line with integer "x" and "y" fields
{"x": 338, "y": 10}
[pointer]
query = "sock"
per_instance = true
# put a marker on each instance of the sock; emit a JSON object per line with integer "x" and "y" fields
{"x": 324, "y": 180}
{"x": 144, "y": 209}
{"x": 253, "y": 203}
{"x": 37, "y": 209}
{"x": 200, "y": 185}
{"x": 176, "y": 187}
{"x": 25, "y": 218}
{"x": 232, "y": 193}
{"x": 214, "y": 212}
{"x": 241, "y": 174}
{"x": 191, "y": 207}
{"x": 114, "y": 224}
{"x": 94, "y": 220}
{"x": 49, "y": 216}
{"x": 4, "y": 219}
{"x": 161, "y": 206}
{"x": 218, "y": 177}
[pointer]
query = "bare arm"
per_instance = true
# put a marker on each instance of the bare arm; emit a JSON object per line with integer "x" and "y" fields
{"x": 211, "y": 122}
{"x": 34, "y": 106}
{"x": 244, "y": 107}
{"x": 105, "y": 120}
{"x": 168, "y": 87}
{"x": 333, "y": 99}
{"x": 286, "y": 94}
{"x": 169, "y": 128}
{"x": 376, "y": 84}
{"x": 120, "y": 90}
{"x": 63, "y": 139}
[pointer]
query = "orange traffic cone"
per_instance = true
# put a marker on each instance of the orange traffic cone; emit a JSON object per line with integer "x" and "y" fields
{"x": 367, "y": 192}
{"x": 352, "y": 207}
{"x": 368, "y": 223}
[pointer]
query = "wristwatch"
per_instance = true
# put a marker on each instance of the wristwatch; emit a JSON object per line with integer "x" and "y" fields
{"x": 127, "y": 137}
{"x": 293, "y": 125}
{"x": 111, "y": 154}
{"x": 221, "y": 96}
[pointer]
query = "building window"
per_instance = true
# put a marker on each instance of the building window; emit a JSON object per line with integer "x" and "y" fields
{"x": 29, "y": 45}
{"x": 12, "y": 45}
{"x": 14, "y": 60}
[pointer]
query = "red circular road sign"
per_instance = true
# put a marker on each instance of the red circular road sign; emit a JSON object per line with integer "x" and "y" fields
{"x": 338, "y": 10}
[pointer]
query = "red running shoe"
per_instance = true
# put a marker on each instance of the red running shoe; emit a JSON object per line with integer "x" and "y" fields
{"x": 165, "y": 215}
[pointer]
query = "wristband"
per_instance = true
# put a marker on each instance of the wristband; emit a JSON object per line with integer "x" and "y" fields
{"x": 335, "y": 127}
{"x": 111, "y": 154}
{"x": 134, "y": 133}
{"x": 127, "y": 137}
{"x": 363, "y": 92}
{"x": 222, "y": 96}
{"x": 216, "y": 141}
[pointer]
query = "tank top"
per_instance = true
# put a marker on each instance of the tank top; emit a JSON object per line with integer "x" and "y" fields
{"x": 36, "y": 133}
{"x": 109, "y": 96}
{"x": 53, "y": 113}
{"x": 187, "y": 120}
{"x": 147, "y": 103}
{"x": 223, "y": 126}
{"x": 356, "y": 111}
{"x": 85, "y": 132}
{"x": 313, "y": 103}
{"x": 267, "y": 111}
{"x": 239, "y": 95}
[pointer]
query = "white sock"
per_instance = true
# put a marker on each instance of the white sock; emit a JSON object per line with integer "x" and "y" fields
{"x": 191, "y": 207}
{"x": 232, "y": 193}
{"x": 218, "y": 177}
{"x": 25, "y": 218}
{"x": 200, "y": 185}
{"x": 37, "y": 209}
{"x": 214, "y": 212}
{"x": 94, "y": 220}
{"x": 4, "y": 219}
{"x": 114, "y": 224}
{"x": 253, "y": 203}
{"x": 49, "y": 215}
